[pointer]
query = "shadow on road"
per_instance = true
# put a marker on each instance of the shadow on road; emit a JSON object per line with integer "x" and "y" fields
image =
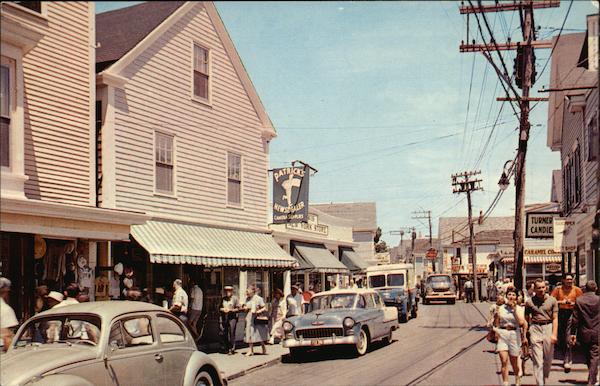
{"x": 331, "y": 353}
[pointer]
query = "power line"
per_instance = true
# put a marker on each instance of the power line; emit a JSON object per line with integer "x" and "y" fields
{"x": 557, "y": 39}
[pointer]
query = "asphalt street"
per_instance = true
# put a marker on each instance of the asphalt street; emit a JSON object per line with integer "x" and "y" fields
{"x": 444, "y": 345}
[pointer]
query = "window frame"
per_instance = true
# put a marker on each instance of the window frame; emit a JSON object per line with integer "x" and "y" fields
{"x": 177, "y": 323}
{"x": 138, "y": 347}
{"x": 206, "y": 101}
{"x": 159, "y": 192}
{"x": 229, "y": 204}
{"x": 593, "y": 138}
{"x": 10, "y": 65}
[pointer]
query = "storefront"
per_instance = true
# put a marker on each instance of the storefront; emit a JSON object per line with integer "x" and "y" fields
{"x": 211, "y": 257}
{"x": 542, "y": 263}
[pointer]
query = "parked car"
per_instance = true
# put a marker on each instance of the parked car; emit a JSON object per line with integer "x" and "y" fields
{"x": 355, "y": 317}
{"x": 396, "y": 284}
{"x": 112, "y": 342}
{"x": 440, "y": 287}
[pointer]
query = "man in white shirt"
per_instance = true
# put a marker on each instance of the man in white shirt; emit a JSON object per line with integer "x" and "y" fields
{"x": 294, "y": 302}
{"x": 196, "y": 307}
{"x": 71, "y": 293}
{"x": 180, "y": 301}
{"x": 8, "y": 319}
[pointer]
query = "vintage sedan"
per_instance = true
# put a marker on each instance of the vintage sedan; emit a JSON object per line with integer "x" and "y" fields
{"x": 106, "y": 343}
{"x": 351, "y": 317}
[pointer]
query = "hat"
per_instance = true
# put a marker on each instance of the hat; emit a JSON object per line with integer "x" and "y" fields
{"x": 56, "y": 296}
{"x": 228, "y": 288}
{"x": 4, "y": 283}
{"x": 119, "y": 268}
{"x": 296, "y": 286}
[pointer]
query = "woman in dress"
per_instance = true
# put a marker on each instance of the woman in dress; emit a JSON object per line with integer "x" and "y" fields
{"x": 278, "y": 311}
{"x": 255, "y": 332}
{"x": 510, "y": 326}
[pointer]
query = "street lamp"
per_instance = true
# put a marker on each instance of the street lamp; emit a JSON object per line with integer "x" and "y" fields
{"x": 505, "y": 178}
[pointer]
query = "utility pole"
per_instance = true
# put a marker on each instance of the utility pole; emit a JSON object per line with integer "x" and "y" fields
{"x": 426, "y": 214}
{"x": 466, "y": 183}
{"x": 524, "y": 72}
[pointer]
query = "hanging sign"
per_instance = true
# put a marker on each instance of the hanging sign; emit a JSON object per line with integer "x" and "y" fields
{"x": 565, "y": 235}
{"x": 552, "y": 267}
{"x": 540, "y": 225}
{"x": 290, "y": 195}
{"x": 431, "y": 254}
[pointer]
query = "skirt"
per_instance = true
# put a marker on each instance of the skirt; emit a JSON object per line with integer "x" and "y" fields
{"x": 255, "y": 333}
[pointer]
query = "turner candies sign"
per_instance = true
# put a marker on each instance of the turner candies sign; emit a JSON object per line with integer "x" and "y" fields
{"x": 290, "y": 195}
{"x": 540, "y": 225}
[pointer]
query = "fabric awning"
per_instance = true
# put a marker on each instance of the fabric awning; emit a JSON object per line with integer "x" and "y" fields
{"x": 173, "y": 243}
{"x": 535, "y": 259}
{"x": 352, "y": 260}
{"x": 316, "y": 258}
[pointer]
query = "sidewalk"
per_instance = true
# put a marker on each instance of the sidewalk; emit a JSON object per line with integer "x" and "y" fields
{"x": 237, "y": 365}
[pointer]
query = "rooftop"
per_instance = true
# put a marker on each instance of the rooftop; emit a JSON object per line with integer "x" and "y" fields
{"x": 362, "y": 214}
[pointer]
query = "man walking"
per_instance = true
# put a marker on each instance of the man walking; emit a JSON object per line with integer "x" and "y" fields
{"x": 565, "y": 296}
{"x": 542, "y": 314}
{"x": 469, "y": 290}
{"x": 196, "y": 307}
{"x": 586, "y": 322}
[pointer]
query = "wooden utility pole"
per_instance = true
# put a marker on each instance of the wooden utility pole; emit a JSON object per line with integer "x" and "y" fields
{"x": 524, "y": 72}
{"x": 466, "y": 183}
{"x": 426, "y": 214}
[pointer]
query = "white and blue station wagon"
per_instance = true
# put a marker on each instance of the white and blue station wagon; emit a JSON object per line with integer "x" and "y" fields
{"x": 353, "y": 317}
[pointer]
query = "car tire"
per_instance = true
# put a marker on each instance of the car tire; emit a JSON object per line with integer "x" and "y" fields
{"x": 362, "y": 346}
{"x": 403, "y": 318}
{"x": 388, "y": 338}
{"x": 203, "y": 378}
{"x": 452, "y": 301}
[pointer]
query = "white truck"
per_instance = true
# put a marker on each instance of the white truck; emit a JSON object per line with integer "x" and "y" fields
{"x": 396, "y": 286}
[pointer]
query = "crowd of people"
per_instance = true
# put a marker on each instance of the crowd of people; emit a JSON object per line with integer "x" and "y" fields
{"x": 528, "y": 326}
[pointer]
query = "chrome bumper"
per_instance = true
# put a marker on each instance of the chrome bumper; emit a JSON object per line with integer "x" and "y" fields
{"x": 317, "y": 342}
{"x": 441, "y": 295}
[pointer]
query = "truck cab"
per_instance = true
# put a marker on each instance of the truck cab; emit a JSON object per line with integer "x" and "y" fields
{"x": 396, "y": 285}
{"x": 440, "y": 287}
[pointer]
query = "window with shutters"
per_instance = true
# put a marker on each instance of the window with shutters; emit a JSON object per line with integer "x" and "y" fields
{"x": 572, "y": 181}
{"x": 234, "y": 179}
{"x": 201, "y": 73}
{"x": 5, "y": 107}
{"x": 164, "y": 163}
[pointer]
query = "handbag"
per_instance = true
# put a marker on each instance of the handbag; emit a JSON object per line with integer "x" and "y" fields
{"x": 261, "y": 319}
{"x": 492, "y": 336}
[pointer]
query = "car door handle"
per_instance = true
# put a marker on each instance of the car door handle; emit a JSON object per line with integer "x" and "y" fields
{"x": 158, "y": 357}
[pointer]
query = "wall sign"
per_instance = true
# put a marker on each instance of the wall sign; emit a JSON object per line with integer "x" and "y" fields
{"x": 540, "y": 225}
{"x": 312, "y": 226}
{"x": 290, "y": 195}
{"x": 565, "y": 235}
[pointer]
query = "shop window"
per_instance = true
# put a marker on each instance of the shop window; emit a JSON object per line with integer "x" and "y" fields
{"x": 234, "y": 179}
{"x": 164, "y": 162}
{"x": 169, "y": 330}
{"x": 257, "y": 279}
{"x": 201, "y": 72}
{"x": 231, "y": 276}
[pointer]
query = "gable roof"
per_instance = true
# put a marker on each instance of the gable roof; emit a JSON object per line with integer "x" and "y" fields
{"x": 460, "y": 226}
{"x": 118, "y": 31}
{"x": 154, "y": 18}
{"x": 363, "y": 215}
{"x": 490, "y": 236}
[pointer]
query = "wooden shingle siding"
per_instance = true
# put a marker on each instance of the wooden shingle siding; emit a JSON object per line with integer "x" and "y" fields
{"x": 158, "y": 96}
{"x": 57, "y": 107}
{"x": 590, "y": 168}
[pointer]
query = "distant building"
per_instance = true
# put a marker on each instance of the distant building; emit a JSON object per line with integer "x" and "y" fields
{"x": 573, "y": 130}
{"x": 363, "y": 216}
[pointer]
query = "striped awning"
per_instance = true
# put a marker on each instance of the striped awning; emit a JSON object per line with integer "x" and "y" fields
{"x": 535, "y": 259}
{"x": 173, "y": 243}
{"x": 353, "y": 261}
{"x": 317, "y": 258}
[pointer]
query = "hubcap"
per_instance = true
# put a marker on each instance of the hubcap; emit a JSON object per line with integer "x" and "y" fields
{"x": 362, "y": 342}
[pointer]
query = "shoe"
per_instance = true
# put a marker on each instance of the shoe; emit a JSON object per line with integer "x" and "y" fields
{"x": 567, "y": 367}
{"x": 249, "y": 354}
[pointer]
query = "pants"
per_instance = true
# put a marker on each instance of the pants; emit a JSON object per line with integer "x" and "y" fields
{"x": 229, "y": 326}
{"x": 590, "y": 350}
{"x": 469, "y": 295}
{"x": 563, "y": 337}
{"x": 193, "y": 321}
{"x": 542, "y": 351}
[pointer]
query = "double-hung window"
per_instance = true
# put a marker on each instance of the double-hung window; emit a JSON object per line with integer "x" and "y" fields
{"x": 163, "y": 163}
{"x": 4, "y": 116}
{"x": 201, "y": 72}
{"x": 234, "y": 179}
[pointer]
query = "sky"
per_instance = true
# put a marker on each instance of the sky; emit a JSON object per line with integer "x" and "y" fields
{"x": 377, "y": 97}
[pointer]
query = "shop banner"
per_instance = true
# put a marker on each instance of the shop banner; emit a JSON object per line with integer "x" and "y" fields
{"x": 290, "y": 195}
{"x": 540, "y": 225}
{"x": 565, "y": 235}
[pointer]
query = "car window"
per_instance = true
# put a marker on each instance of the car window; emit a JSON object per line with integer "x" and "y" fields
{"x": 369, "y": 299}
{"x": 169, "y": 330}
{"x": 361, "y": 303}
{"x": 131, "y": 332}
{"x": 395, "y": 279}
{"x": 376, "y": 281}
{"x": 62, "y": 328}
{"x": 377, "y": 300}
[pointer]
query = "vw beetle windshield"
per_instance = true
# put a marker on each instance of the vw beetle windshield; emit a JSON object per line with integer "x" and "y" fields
{"x": 66, "y": 329}
{"x": 332, "y": 301}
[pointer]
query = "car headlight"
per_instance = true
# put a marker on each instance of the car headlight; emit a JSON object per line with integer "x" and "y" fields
{"x": 348, "y": 322}
{"x": 429, "y": 290}
{"x": 287, "y": 326}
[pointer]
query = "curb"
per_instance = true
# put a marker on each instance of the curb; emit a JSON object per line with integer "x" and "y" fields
{"x": 269, "y": 363}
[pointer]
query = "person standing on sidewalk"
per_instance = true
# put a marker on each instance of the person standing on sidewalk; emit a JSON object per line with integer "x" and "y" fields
{"x": 256, "y": 330}
{"x": 277, "y": 315}
{"x": 510, "y": 325}
{"x": 565, "y": 295}
{"x": 469, "y": 291}
{"x": 294, "y": 302}
{"x": 228, "y": 317}
{"x": 196, "y": 307}
{"x": 542, "y": 313}
{"x": 180, "y": 301}
{"x": 586, "y": 322}
{"x": 8, "y": 318}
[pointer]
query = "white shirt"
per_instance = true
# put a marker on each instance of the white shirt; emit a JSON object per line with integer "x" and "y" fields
{"x": 196, "y": 295}
{"x": 8, "y": 318}
{"x": 294, "y": 304}
{"x": 180, "y": 297}
{"x": 66, "y": 302}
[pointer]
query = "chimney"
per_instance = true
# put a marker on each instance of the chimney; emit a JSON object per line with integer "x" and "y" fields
{"x": 592, "y": 41}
